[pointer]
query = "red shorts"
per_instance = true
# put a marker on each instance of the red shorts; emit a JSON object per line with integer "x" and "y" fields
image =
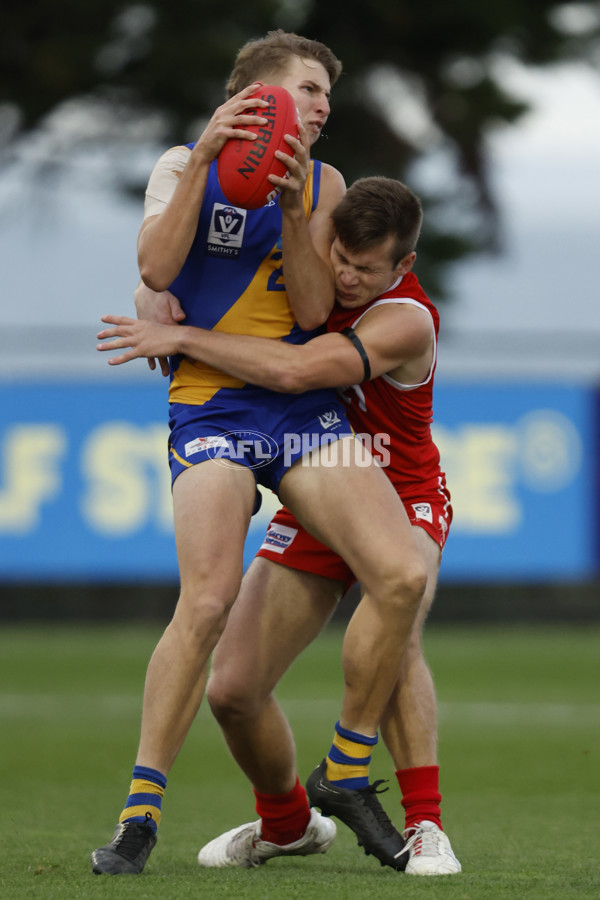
{"x": 289, "y": 544}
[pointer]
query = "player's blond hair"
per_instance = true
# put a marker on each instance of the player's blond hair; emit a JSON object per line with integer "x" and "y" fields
{"x": 266, "y": 57}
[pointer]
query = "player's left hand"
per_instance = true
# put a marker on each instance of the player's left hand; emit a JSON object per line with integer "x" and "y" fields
{"x": 163, "y": 308}
{"x": 298, "y": 167}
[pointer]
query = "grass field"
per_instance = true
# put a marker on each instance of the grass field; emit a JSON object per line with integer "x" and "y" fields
{"x": 520, "y": 757}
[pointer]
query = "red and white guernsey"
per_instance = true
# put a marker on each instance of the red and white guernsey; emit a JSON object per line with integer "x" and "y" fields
{"x": 396, "y": 418}
{"x": 400, "y": 415}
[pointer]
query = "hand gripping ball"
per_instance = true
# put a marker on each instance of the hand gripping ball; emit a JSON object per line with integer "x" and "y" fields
{"x": 243, "y": 166}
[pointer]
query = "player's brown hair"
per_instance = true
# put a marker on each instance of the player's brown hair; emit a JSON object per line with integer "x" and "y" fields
{"x": 374, "y": 208}
{"x": 268, "y": 56}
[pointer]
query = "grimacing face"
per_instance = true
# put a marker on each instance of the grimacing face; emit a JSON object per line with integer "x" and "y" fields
{"x": 364, "y": 275}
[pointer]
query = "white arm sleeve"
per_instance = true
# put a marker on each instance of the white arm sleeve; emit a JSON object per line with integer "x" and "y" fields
{"x": 164, "y": 178}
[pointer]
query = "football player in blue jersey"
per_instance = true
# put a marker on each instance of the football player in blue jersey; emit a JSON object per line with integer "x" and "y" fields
{"x": 279, "y": 285}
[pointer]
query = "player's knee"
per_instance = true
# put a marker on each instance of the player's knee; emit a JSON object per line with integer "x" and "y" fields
{"x": 203, "y": 616}
{"x": 404, "y": 585}
{"x": 414, "y": 582}
{"x": 230, "y": 700}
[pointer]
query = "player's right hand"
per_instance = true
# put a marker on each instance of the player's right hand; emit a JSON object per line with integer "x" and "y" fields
{"x": 227, "y": 122}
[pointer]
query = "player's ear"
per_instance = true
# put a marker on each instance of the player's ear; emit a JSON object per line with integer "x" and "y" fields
{"x": 406, "y": 264}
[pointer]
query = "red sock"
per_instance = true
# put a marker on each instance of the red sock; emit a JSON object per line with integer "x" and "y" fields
{"x": 284, "y": 816}
{"x": 420, "y": 794}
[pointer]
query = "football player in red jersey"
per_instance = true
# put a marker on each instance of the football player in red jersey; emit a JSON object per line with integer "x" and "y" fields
{"x": 380, "y": 351}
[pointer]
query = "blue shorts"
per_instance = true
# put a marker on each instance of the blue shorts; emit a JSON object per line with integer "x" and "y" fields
{"x": 260, "y": 429}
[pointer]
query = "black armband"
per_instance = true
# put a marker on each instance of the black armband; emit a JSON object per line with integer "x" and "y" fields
{"x": 352, "y": 336}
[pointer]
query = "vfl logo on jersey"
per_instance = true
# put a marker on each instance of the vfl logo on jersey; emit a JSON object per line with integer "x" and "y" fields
{"x": 226, "y": 232}
{"x": 278, "y": 538}
{"x": 423, "y": 511}
{"x": 329, "y": 419}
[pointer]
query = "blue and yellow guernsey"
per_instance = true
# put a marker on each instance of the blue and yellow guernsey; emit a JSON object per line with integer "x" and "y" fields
{"x": 232, "y": 281}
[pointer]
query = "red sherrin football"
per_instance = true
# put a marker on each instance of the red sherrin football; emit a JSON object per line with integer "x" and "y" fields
{"x": 243, "y": 166}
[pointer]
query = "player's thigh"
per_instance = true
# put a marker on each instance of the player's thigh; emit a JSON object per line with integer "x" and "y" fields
{"x": 277, "y": 613}
{"x": 212, "y": 507}
{"x": 355, "y": 510}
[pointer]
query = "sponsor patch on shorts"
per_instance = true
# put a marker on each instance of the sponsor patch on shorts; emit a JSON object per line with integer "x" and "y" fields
{"x": 204, "y": 443}
{"x": 423, "y": 511}
{"x": 278, "y": 538}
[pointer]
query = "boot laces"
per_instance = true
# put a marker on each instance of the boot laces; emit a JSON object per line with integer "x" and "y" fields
{"x": 131, "y": 840}
{"x": 422, "y": 842}
{"x": 369, "y": 795}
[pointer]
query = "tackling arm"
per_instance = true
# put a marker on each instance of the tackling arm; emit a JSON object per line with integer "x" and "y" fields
{"x": 391, "y": 339}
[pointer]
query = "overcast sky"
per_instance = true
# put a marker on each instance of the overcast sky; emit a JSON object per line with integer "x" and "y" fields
{"x": 547, "y": 172}
{"x": 66, "y": 266}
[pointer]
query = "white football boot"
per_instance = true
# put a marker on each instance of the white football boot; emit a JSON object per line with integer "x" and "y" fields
{"x": 429, "y": 851}
{"x": 243, "y": 847}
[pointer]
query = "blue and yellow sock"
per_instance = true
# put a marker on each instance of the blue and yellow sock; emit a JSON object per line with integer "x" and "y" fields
{"x": 349, "y": 758}
{"x": 145, "y": 796}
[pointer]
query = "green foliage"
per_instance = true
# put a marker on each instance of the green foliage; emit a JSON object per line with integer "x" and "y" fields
{"x": 519, "y": 769}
